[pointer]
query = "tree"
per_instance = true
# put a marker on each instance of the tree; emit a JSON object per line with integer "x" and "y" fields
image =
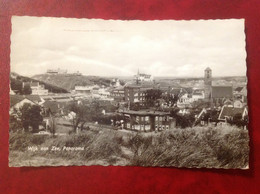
{"x": 84, "y": 113}
{"x": 238, "y": 120}
{"x": 53, "y": 125}
{"x": 135, "y": 106}
{"x": 26, "y": 90}
{"x": 171, "y": 99}
{"x": 15, "y": 123}
{"x": 183, "y": 121}
{"x": 151, "y": 96}
{"x": 16, "y": 85}
{"x": 31, "y": 116}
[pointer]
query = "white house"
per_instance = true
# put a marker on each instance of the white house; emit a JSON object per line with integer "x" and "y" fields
{"x": 37, "y": 88}
{"x": 83, "y": 89}
{"x": 143, "y": 77}
{"x": 17, "y": 102}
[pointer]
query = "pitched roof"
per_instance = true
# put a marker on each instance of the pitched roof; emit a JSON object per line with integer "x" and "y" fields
{"x": 238, "y": 89}
{"x": 207, "y": 69}
{"x": 14, "y": 99}
{"x": 51, "y": 105}
{"x": 230, "y": 112}
{"x": 34, "y": 98}
{"x": 221, "y": 92}
{"x": 145, "y": 112}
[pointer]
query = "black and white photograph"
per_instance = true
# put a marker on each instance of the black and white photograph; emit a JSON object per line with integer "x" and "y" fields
{"x": 155, "y": 93}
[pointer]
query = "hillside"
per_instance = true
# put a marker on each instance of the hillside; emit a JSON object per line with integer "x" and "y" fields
{"x": 16, "y": 81}
{"x": 69, "y": 81}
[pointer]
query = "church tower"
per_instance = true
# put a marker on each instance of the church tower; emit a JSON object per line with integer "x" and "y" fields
{"x": 207, "y": 82}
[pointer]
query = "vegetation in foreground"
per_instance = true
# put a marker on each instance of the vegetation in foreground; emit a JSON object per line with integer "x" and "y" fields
{"x": 218, "y": 147}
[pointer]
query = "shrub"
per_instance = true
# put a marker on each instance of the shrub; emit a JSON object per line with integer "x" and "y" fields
{"x": 20, "y": 141}
{"x": 225, "y": 147}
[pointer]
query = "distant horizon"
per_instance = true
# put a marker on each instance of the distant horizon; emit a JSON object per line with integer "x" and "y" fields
{"x": 157, "y": 77}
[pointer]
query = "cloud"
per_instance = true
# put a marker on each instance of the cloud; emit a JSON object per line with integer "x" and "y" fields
{"x": 118, "y": 48}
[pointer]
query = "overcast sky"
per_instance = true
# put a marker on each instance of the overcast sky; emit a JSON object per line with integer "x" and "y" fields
{"x": 119, "y": 48}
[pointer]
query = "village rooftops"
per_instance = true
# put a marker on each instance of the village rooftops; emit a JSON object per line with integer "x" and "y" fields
{"x": 145, "y": 112}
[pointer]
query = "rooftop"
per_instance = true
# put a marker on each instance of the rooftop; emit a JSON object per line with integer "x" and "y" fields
{"x": 221, "y": 92}
{"x": 14, "y": 99}
{"x": 231, "y": 112}
{"x": 145, "y": 112}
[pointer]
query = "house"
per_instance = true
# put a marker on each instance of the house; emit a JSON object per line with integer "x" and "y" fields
{"x": 184, "y": 99}
{"x": 228, "y": 112}
{"x": 142, "y": 77}
{"x": 216, "y": 94}
{"x": 104, "y": 93}
{"x": 115, "y": 83}
{"x": 95, "y": 90}
{"x": 198, "y": 94}
{"x": 147, "y": 120}
{"x": 17, "y": 102}
{"x": 37, "y": 88}
{"x": 118, "y": 94}
{"x": 136, "y": 94}
{"x": 240, "y": 93}
{"x": 238, "y": 104}
{"x": 56, "y": 71}
{"x": 11, "y": 92}
{"x": 219, "y": 94}
{"x": 62, "y": 98}
{"x": 200, "y": 118}
{"x": 83, "y": 89}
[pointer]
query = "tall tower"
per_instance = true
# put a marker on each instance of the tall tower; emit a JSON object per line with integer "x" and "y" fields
{"x": 207, "y": 82}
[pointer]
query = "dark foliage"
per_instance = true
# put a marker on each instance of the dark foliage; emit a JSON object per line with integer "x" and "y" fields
{"x": 30, "y": 116}
{"x": 238, "y": 120}
{"x": 16, "y": 84}
{"x": 152, "y": 96}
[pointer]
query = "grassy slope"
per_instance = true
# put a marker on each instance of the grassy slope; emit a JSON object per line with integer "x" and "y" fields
{"x": 226, "y": 147}
{"x": 51, "y": 87}
{"x": 68, "y": 82}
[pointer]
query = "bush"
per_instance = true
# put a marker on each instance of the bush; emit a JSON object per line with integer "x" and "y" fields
{"x": 20, "y": 141}
{"x": 225, "y": 147}
{"x": 216, "y": 147}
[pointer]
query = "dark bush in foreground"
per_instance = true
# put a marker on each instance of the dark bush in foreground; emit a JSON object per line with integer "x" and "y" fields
{"x": 226, "y": 147}
{"x": 20, "y": 141}
{"x": 220, "y": 147}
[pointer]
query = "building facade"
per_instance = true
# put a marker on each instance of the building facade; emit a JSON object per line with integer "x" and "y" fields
{"x": 147, "y": 120}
